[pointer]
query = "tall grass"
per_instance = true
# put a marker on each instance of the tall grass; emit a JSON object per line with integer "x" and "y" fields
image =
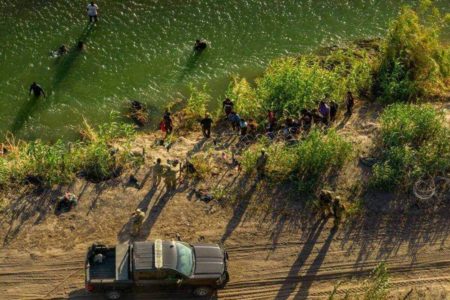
{"x": 308, "y": 163}
{"x": 414, "y": 63}
{"x": 99, "y": 156}
{"x": 414, "y": 142}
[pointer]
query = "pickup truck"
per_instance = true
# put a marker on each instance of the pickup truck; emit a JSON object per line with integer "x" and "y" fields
{"x": 153, "y": 264}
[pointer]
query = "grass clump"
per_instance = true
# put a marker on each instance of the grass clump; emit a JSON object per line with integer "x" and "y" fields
{"x": 309, "y": 163}
{"x": 414, "y": 62}
{"x": 414, "y": 142}
{"x": 101, "y": 155}
{"x": 378, "y": 284}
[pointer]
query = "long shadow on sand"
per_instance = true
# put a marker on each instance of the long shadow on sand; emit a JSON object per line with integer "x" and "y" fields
{"x": 292, "y": 279}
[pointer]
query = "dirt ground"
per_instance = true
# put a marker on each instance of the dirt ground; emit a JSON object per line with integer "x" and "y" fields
{"x": 277, "y": 250}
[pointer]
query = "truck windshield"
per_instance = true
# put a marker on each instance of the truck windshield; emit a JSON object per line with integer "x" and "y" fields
{"x": 185, "y": 261}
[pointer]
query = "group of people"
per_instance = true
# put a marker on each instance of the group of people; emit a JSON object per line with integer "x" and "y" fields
{"x": 323, "y": 115}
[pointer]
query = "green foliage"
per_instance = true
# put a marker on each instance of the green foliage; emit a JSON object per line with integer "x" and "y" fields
{"x": 414, "y": 143}
{"x": 309, "y": 163}
{"x": 378, "y": 285}
{"x": 197, "y": 102}
{"x": 292, "y": 84}
{"x": 95, "y": 157}
{"x": 415, "y": 63}
{"x": 403, "y": 124}
{"x": 245, "y": 99}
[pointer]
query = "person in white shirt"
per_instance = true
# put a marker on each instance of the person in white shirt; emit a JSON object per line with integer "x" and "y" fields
{"x": 92, "y": 11}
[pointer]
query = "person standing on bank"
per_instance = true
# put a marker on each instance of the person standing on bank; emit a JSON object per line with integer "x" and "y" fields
{"x": 37, "y": 90}
{"x": 92, "y": 11}
{"x": 206, "y": 125}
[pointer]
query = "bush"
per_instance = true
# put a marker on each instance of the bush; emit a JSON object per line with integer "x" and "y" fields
{"x": 319, "y": 156}
{"x": 95, "y": 157}
{"x": 246, "y": 102}
{"x": 414, "y": 142}
{"x": 414, "y": 62}
{"x": 308, "y": 163}
{"x": 291, "y": 84}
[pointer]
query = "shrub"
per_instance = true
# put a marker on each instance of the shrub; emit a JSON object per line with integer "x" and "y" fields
{"x": 290, "y": 84}
{"x": 308, "y": 163}
{"x": 319, "y": 156}
{"x": 414, "y": 142}
{"x": 246, "y": 101}
{"x": 414, "y": 62}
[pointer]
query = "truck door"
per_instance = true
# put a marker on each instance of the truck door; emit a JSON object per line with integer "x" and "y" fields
{"x": 157, "y": 278}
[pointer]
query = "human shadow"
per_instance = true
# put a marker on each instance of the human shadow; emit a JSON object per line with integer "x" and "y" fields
{"x": 239, "y": 210}
{"x": 308, "y": 278}
{"x": 24, "y": 113}
{"x": 292, "y": 279}
{"x": 190, "y": 65}
{"x": 151, "y": 215}
{"x": 26, "y": 207}
{"x": 64, "y": 66}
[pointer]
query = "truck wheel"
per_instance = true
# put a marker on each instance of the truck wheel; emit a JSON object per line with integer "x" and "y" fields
{"x": 202, "y": 291}
{"x": 112, "y": 295}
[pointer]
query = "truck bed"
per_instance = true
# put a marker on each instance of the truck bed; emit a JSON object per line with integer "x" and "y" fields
{"x": 114, "y": 267}
{"x": 106, "y": 269}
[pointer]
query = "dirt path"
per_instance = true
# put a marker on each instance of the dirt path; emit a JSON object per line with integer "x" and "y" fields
{"x": 274, "y": 254}
{"x": 295, "y": 267}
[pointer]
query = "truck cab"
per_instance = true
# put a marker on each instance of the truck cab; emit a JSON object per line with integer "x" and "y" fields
{"x": 154, "y": 264}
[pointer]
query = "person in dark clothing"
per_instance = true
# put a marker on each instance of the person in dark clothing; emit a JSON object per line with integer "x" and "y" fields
{"x": 168, "y": 124}
{"x": 272, "y": 120}
{"x": 80, "y": 46}
{"x": 324, "y": 110}
{"x": 349, "y": 103}
{"x": 306, "y": 119}
{"x": 200, "y": 45}
{"x": 316, "y": 116}
{"x": 235, "y": 120}
{"x": 37, "y": 90}
{"x": 243, "y": 126}
{"x": 206, "y": 125}
{"x": 227, "y": 106}
{"x": 333, "y": 110}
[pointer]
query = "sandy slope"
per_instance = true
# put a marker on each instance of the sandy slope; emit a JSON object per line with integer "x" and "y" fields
{"x": 275, "y": 253}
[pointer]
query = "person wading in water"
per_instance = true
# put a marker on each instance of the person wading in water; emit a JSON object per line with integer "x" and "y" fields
{"x": 37, "y": 90}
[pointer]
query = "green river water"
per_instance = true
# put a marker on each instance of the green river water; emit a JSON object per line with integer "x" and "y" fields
{"x": 142, "y": 50}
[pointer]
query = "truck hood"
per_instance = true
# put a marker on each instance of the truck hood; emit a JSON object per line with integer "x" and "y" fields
{"x": 209, "y": 259}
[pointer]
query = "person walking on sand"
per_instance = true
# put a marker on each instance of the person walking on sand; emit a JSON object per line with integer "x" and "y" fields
{"x": 170, "y": 178}
{"x": 138, "y": 219}
{"x": 261, "y": 164}
{"x": 37, "y": 90}
{"x": 206, "y": 126}
{"x": 92, "y": 11}
{"x": 157, "y": 172}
